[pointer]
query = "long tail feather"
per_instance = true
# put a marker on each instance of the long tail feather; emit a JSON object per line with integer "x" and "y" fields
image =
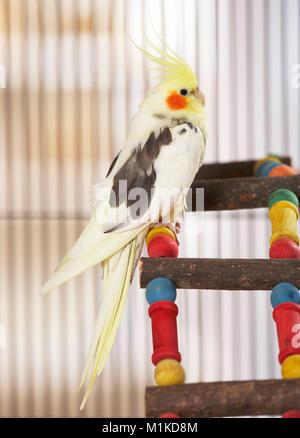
{"x": 95, "y": 250}
{"x": 116, "y": 284}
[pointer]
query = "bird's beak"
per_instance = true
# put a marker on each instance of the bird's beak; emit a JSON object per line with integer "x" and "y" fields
{"x": 199, "y": 95}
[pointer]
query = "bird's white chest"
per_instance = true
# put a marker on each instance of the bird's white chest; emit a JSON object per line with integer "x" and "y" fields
{"x": 178, "y": 162}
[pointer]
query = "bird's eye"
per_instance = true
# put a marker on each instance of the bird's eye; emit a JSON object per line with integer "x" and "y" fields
{"x": 183, "y": 91}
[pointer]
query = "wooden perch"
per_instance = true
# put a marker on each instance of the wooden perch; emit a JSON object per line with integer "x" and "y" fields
{"x": 233, "y": 169}
{"x": 224, "y": 399}
{"x": 242, "y": 193}
{"x": 221, "y": 274}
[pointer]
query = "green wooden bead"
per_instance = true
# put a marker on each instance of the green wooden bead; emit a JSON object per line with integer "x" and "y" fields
{"x": 274, "y": 156}
{"x": 283, "y": 195}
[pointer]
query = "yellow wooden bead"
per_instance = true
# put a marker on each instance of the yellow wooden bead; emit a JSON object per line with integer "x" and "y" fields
{"x": 158, "y": 231}
{"x": 169, "y": 372}
{"x": 291, "y": 367}
{"x": 268, "y": 158}
{"x": 284, "y": 216}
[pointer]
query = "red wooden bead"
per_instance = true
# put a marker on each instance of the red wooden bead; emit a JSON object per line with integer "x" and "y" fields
{"x": 291, "y": 414}
{"x": 164, "y": 331}
{"x": 284, "y": 249}
{"x": 163, "y": 246}
{"x": 171, "y": 415}
{"x": 287, "y": 318}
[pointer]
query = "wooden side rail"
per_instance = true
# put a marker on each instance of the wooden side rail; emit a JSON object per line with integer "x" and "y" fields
{"x": 221, "y": 274}
{"x": 224, "y": 399}
{"x": 242, "y": 193}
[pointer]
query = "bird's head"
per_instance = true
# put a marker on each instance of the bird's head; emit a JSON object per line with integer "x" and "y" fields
{"x": 178, "y": 94}
{"x": 182, "y": 94}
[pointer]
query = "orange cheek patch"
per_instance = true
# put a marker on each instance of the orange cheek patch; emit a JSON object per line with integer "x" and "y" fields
{"x": 176, "y": 101}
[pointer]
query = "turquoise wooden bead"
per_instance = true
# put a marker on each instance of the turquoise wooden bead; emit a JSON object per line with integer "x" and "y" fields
{"x": 160, "y": 289}
{"x": 266, "y": 167}
{"x": 284, "y": 293}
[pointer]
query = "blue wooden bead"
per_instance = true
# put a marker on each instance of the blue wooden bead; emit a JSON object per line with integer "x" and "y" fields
{"x": 285, "y": 293}
{"x": 160, "y": 289}
{"x": 266, "y": 167}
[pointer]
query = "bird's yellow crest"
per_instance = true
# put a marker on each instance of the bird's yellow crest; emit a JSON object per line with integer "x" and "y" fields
{"x": 173, "y": 68}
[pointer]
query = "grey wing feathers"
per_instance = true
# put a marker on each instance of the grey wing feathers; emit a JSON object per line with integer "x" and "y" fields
{"x": 136, "y": 173}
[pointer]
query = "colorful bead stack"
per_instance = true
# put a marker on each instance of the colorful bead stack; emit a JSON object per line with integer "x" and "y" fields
{"x": 273, "y": 166}
{"x": 161, "y": 294}
{"x": 285, "y": 297}
{"x": 161, "y": 242}
{"x": 285, "y": 300}
{"x": 284, "y": 212}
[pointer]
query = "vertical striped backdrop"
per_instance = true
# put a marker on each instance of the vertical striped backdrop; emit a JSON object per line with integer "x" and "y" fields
{"x": 72, "y": 83}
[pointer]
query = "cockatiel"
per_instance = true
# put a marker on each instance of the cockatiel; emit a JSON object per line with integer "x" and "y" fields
{"x": 164, "y": 150}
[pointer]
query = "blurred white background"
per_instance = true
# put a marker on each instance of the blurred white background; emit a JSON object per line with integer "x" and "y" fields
{"x": 73, "y": 81}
